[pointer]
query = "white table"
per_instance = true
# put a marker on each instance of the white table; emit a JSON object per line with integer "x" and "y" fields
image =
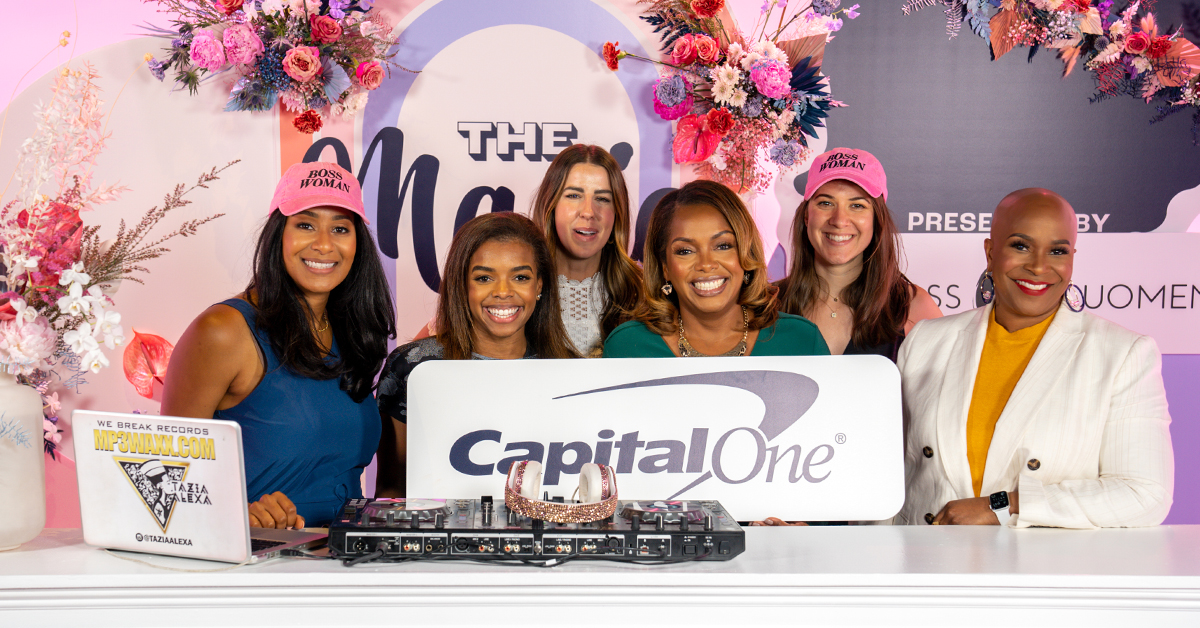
{"x": 869, "y": 575}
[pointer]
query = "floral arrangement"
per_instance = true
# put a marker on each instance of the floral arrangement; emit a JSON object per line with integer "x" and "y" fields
{"x": 738, "y": 100}
{"x": 56, "y": 306}
{"x": 309, "y": 55}
{"x": 1124, "y": 49}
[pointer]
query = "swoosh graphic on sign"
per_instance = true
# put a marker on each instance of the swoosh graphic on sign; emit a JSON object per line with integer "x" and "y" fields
{"x": 786, "y": 396}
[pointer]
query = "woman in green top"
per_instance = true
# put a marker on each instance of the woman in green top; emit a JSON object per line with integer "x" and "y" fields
{"x": 707, "y": 292}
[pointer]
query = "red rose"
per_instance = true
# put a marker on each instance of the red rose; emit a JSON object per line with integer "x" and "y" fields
{"x": 1137, "y": 43}
{"x": 1159, "y": 47}
{"x": 229, "y": 6}
{"x": 707, "y": 8}
{"x": 325, "y": 29}
{"x": 684, "y": 51}
{"x": 1079, "y": 6}
{"x": 308, "y": 122}
{"x": 707, "y": 49}
{"x": 612, "y": 54}
{"x": 719, "y": 121}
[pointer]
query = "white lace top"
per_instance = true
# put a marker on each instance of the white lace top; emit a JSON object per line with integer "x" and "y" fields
{"x": 582, "y": 305}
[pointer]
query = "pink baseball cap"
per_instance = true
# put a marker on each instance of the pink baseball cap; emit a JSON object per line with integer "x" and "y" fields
{"x": 855, "y": 166}
{"x": 315, "y": 184}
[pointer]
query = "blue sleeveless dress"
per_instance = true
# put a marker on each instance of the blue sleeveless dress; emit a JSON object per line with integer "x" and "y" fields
{"x": 302, "y": 436}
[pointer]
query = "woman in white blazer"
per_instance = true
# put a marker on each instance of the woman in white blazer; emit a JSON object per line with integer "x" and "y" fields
{"x": 1082, "y": 440}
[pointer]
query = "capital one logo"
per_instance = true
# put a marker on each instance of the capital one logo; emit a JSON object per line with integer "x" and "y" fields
{"x": 786, "y": 397}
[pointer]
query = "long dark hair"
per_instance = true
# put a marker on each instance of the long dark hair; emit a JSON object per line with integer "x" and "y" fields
{"x": 879, "y": 297}
{"x": 660, "y": 312}
{"x": 360, "y": 311}
{"x": 544, "y": 331}
{"x": 622, "y": 279}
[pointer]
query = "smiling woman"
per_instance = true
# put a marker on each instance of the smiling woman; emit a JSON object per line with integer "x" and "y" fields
{"x": 1030, "y": 411}
{"x": 845, "y": 273}
{"x": 707, "y": 290}
{"x": 293, "y": 358}
{"x": 496, "y": 303}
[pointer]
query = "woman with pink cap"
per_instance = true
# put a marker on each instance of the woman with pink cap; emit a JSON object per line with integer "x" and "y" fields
{"x": 845, "y": 274}
{"x": 293, "y": 359}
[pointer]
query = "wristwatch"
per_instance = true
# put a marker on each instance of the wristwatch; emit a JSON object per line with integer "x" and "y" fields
{"x": 999, "y": 505}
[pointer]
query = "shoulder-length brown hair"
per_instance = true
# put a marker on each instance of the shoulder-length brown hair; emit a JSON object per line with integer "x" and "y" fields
{"x": 622, "y": 278}
{"x": 660, "y": 312}
{"x": 544, "y": 332}
{"x": 879, "y": 297}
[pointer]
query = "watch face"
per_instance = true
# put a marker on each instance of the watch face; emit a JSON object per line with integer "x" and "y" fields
{"x": 999, "y": 500}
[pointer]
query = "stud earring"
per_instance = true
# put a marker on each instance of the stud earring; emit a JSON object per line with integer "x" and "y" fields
{"x": 667, "y": 288}
{"x": 747, "y": 277}
{"x": 538, "y": 297}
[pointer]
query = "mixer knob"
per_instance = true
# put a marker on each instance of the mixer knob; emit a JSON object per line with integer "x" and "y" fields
{"x": 683, "y": 524}
{"x": 658, "y": 523}
{"x": 635, "y": 523}
{"x": 439, "y": 521}
{"x": 414, "y": 520}
{"x": 708, "y": 523}
{"x": 390, "y": 517}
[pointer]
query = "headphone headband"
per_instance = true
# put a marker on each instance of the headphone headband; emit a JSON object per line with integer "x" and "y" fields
{"x": 516, "y": 488}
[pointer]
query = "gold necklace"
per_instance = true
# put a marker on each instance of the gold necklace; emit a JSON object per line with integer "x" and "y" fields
{"x": 325, "y": 319}
{"x": 832, "y": 312}
{"x": 686, "y": 350}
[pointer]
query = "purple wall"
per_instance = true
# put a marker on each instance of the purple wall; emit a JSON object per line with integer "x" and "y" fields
{"x": 1181, "y": 374}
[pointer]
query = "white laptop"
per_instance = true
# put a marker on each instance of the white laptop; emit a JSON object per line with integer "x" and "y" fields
{"x": 172, "y": 486}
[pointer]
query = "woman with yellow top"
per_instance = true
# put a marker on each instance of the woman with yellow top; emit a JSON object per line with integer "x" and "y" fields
{"x": 1030, "y": 411}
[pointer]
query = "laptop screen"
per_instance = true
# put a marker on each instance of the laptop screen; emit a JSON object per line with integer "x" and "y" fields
{"x": 162, "y": 485}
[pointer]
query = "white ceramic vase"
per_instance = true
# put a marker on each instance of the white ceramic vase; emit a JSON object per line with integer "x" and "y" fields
{"x": 22, "y": 464}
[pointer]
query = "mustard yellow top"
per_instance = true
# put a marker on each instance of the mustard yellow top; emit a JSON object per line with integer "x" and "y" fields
{"x": 1001, "y": 365}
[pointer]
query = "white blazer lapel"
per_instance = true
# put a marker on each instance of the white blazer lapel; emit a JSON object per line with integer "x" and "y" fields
{"x": 955, "y": 401}
{"x": 1046, "y": 368}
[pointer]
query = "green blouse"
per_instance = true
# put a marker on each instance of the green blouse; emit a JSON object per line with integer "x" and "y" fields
{"x": 790, "y": 335}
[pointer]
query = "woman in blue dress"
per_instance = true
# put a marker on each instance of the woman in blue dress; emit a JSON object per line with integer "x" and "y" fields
{"x": 293, "y": 359}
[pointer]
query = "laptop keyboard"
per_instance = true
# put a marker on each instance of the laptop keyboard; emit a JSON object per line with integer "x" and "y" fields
{"x": 258, "y": 545}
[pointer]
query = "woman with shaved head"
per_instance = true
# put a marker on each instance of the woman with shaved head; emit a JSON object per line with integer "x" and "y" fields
{"x": 1030, "y": 411}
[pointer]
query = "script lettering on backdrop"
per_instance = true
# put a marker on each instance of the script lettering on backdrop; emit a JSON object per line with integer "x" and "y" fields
{"x": 790, "y": 437}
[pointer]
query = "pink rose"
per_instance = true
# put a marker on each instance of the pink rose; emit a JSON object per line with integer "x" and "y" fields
{"x": 229, "y": 6}
{"x": 1137, "y": 43}
{"x": 206, "y": 51}
{"x": 302, "y": 63}
{"x": 325, "y": 29}
{"x": 684, "y": 51}
{"x": 242, "y": 45}
{"x": 369, "y": 74}
{"x": 706, "y": 49}
{"x": 772, "y": 78}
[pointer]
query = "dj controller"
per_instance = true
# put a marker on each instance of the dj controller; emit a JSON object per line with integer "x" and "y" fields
{"x": 479, "y": 529}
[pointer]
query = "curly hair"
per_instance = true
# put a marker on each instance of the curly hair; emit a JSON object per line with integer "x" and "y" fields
{"x": 544, "y": 331}
{"x": 659, "y": 312}
{"x": 622, "y": 278}
{"x": 879, "y": 297}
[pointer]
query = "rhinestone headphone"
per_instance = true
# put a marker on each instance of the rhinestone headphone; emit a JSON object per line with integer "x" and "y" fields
{"x": 597, "y": 494}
